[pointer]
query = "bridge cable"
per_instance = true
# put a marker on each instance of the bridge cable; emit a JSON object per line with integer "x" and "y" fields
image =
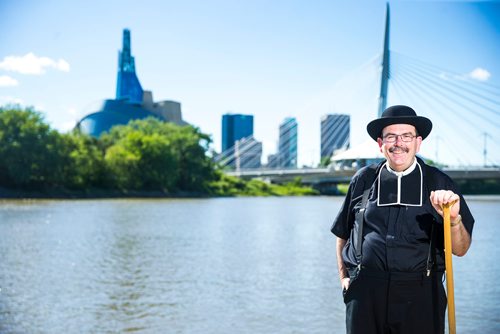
{"x": 416, "y": 93}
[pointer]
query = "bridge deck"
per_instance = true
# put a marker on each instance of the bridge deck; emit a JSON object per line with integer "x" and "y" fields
{"x": 328, "y": 175}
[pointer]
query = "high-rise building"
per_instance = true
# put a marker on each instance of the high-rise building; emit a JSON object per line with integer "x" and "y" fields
{"x": 245, "y": 153}
{"x": 287, "y": 144}
{"x": 335, "y": 132}
{"x": 127, "y": 85}
{"x": 272, "y": 161}
{"x": 235, "y": 127}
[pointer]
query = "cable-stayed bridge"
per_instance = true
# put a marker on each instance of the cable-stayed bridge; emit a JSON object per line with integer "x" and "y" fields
{"x": 465, "y": 113}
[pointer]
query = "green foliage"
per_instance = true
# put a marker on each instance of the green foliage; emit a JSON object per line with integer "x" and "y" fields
{"x": 84, "y": 166}
{"x": 431, "y": 162}
{"x": 142, "y": 156}
{"x": 295, "y": 189}
{"x": 154, "y": 155}
{"x": 226, "y": 185}
{"x": 139, "y": 161}
{"x": 30, "y": 153}
{"x": 325, "y": 162}
{"x": 343, "y": 188}
{"x": 233, "y": 186}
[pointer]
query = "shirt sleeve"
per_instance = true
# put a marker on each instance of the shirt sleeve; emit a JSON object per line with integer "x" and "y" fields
{"x": 342, "y": 224}
{"x": 467, "y": 218}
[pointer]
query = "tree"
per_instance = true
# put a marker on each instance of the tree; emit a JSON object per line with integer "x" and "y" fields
{"x": 151, "y": 154}
{"x": 30, "y": 155}
{"x": 196, "y": 170}
{"x": 85, "y": 161}
{"x": 325, "y": 161}
{"x": 140, "y": 156}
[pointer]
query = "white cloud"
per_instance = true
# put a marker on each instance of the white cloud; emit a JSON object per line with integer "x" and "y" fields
{"x": 6, "y": 81}
{"x": 63, "y": 65}
{"x": 480, "y": 74}
{"x": 32, "y": 64}
{"x": 444, "y": 76}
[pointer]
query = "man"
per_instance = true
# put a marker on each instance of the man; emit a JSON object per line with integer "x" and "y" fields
{"x": 390, "y": 234}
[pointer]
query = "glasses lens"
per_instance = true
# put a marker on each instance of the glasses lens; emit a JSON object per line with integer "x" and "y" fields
{"x": 390, "y": 138}
{"x": 405, "y": 137}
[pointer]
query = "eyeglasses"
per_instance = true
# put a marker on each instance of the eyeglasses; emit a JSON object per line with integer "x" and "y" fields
{"x": 406, "y": 137}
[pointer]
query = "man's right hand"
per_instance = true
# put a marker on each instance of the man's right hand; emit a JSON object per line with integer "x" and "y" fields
{"x": 345, "y": 283}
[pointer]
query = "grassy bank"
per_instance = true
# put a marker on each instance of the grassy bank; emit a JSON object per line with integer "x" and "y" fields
{"x": 226, "y": 186}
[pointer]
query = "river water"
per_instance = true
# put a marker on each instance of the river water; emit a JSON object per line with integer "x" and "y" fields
{"x": 227, "y": 265}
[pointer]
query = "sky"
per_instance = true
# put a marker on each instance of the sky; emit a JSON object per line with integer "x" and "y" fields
{"x": 269, "y": 58}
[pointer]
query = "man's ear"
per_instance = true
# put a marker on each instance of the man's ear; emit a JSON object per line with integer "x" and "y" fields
{"x": 419, "y": 142}
{"x": 379, "y": 142}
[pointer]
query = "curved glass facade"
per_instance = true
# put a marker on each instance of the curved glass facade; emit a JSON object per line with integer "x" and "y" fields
{"x": 113, "y": 112}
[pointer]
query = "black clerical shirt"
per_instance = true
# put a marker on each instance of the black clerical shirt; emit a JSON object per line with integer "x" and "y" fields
{"x": 396, "y": 237}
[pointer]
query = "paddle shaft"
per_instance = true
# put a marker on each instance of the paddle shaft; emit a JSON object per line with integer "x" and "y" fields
{"x": 449, "y": 268}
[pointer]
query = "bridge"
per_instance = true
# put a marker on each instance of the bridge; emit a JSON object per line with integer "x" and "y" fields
{"x": 465, "y": 114}
{"x": 318, "y": 176}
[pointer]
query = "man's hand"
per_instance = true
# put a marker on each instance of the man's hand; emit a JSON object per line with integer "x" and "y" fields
{"x": 439, "y": 198}
{"x": 460, "y": 237}
{"x": 345, "y": 283}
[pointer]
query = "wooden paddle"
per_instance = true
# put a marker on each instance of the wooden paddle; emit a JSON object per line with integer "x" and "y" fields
{"x": 449, "y": 268}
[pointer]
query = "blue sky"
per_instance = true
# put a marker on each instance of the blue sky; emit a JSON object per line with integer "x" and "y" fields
{"x": 272, "y": 59}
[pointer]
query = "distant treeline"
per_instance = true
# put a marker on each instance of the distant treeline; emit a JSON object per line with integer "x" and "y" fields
{"x": 144, "y": 156}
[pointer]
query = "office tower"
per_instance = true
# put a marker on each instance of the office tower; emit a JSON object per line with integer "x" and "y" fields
{"x": 272, "y": 161}
{"x": 335, "y": 132}
{"x": 127, "y": 85}
{"x": 245, "y": 153}
{"x": 248, "y": 153}
{"x": 287, "y": 144}
{"x": 235, "y": 127}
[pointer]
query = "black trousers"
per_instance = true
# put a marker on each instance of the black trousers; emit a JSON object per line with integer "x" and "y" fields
{"x": 395, "y": 303}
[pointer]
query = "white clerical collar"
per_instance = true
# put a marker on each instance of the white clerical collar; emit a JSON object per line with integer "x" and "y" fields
{"x": 400, "y": 188}
{"x": 406, "y": 171}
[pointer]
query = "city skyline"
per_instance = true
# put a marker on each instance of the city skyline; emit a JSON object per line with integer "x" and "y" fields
{"x": 270, "y": 60}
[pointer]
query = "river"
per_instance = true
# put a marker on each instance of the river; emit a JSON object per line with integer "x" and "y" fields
{"x": 225, "y": 265}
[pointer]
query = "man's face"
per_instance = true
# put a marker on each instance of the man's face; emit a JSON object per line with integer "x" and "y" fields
{"x": 399, "y": 153}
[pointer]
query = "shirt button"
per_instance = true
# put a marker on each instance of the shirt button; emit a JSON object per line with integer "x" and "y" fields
{"x": 390, "y": 240}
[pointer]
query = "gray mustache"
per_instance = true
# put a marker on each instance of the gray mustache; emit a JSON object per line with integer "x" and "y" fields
{"x": 397, "y": 149}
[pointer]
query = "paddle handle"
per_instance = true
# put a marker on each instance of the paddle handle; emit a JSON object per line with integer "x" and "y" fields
{"x": 449, "y": 269}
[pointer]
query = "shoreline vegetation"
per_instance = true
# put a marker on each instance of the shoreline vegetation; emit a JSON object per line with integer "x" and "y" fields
{"x": 145, "y": 158}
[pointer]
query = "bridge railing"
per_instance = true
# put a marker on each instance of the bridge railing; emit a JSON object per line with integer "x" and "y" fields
{"x": 328, "y": 174}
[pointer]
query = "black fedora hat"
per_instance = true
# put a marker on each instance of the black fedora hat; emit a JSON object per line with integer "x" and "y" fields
{"x": 399, "y": 115}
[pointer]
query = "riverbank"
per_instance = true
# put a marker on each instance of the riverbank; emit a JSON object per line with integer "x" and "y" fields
{"x": 225, "y": 187}
{"x": 61, "y": 193}
{"x": 252, "y": 188}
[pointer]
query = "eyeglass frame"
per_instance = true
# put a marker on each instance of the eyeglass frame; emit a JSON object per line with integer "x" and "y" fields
{"x": 402, "y": 136}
